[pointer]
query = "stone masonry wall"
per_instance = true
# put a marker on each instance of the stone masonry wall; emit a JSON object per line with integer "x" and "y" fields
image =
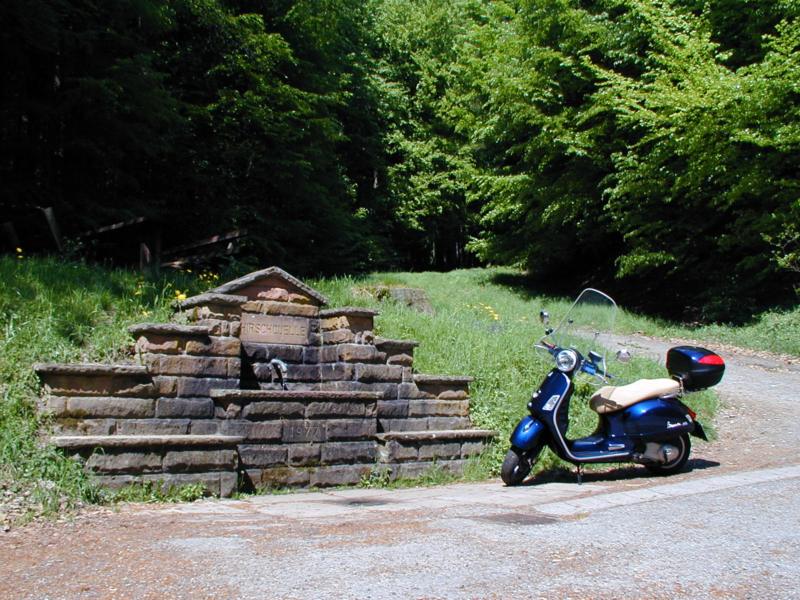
{"x": 207, "y": 385}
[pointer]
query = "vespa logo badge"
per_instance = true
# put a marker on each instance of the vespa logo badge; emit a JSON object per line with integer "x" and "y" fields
{"x": 671, "y": 425}
{"x": 550, "y": 404}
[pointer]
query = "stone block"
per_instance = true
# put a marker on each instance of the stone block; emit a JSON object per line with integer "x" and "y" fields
{"x": 338, "y": 336}
{"x": 350, "y": 429}
{"x": 304, "y": 431}
{"x": 220, "y": 327}
{"x": 354, "y": 323}
{"x": 389, "y": 425}
{"x": 217, "y": 482}
{"x": 304, "y": 454}
{"x": 311, "y": 355}
{"x": 85, "y": 426}
{"x": 184, "y": 408}
{"x": 214, "y": 346}
{"x": 335, "y": 372}
{"x": 268, "y": 431}
{"x": 394, "y": 451}
{"x": 152, "y": 426}
{"x": 278, "y": 294}
{"x": 349, "y": 452}
{"x": 299, "y": 298}
{"x": 157, "y": 345}
{"x": 124, "y": 462}
{"x": 317, "y": 410}
{"x": 234, "y": 368}
{"x": 307, "y": 373}
{"x": 373, "y": 373}
{"x": 436, "y": 451}
{"x": 453, "y": 395}
{"x": 54, "y": 405}
{"x": 200, "y": 460}
{"x": 99, "y": 407}
{"x": 228, "y": 483}
{"x": 271, "y": 307}
{"x": 266, "y": 352}
{"x": 438, "y": 408}
{"x": 204, "y": 427}
{"x": 471, "y": 449}
{"x": 410, "y": 470}
{"x": 404, "y": 360}
{"x": 262, "y": 455}
{"x": 202, "y": 386}
{"x": 165, "y": 385}
{"x": 411, "y": 391}
{"x": 99, "y": 385}
{"x": 192, "y": 366}
{"x": 356, "y": 353}
{"x": 275, "y": 477}
{"x": 392, "y": 409}
{"x": 321, "y": 354}
{"x": 339, "y": 475}
{"x": 273, "y": 409}
{"x": 449, "y": 423}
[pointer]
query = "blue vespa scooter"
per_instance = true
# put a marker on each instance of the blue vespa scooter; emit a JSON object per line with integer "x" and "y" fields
{"x": 644, "y": 422}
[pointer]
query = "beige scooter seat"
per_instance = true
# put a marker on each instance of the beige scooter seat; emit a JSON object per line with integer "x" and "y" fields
{"x": 611, "y": 398}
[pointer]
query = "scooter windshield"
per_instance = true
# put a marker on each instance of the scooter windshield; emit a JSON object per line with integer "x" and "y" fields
{"x": 589, "y": 318}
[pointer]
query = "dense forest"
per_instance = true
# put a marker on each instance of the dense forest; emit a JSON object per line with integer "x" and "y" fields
{"x": 649, "y": 146}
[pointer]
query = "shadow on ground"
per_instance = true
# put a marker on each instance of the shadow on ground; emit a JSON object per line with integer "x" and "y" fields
{"x": 562, "y": 475}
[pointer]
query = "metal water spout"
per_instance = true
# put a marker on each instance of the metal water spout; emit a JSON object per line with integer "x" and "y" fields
{"x": 280, "y": 369}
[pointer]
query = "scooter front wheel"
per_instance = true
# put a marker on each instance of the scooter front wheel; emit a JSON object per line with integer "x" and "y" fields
{"x": 516, "y": 467}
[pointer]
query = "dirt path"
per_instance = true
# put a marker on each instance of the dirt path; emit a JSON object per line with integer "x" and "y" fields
{"x": 726, "y": 528}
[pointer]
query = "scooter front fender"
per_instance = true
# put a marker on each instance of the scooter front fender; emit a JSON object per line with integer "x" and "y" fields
{"x": 527, "y": 433}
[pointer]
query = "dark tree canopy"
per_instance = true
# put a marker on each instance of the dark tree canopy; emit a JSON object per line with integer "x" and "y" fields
{"x": 645, "y": 145}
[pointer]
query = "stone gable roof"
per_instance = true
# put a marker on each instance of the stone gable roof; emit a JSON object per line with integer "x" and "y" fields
{"x": 267, "y": 275}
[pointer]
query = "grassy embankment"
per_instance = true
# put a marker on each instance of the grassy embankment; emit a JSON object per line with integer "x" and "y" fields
{"x": 60, "y": 311}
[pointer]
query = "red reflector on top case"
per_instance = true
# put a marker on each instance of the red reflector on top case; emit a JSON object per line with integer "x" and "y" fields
{"x": 711, "y": 359}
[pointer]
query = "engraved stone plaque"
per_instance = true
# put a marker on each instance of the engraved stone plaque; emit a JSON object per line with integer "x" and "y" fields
{"x": 273, "y": 329}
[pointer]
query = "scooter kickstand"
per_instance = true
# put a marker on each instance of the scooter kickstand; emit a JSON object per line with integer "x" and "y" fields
{"x": 580, "y": 474}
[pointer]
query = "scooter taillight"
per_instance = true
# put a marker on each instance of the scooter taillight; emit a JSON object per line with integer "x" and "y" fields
{"x": 691, "y": 413}
{"x": 711, "y": 359}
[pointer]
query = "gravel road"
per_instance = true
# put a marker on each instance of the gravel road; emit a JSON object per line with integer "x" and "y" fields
{"x": 728, "y": 528}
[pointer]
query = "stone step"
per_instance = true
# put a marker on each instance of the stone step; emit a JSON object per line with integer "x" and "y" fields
{"x": 170, "y": 460}
{"x": 398, "y": 352}
{"x": 443, "y": 387}
{"x": 93, "y": 379}
{"x": 71, "y": 442}
{"x": 421, "y": 446}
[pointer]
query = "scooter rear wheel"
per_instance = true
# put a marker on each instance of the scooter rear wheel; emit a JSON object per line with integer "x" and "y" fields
{"x": 684, "y": 446}
{"x": 516, "y": 467}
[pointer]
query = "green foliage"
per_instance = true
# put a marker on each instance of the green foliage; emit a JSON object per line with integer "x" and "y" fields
{"x": 57, "y": 311}
{"x": 152, "y": 492}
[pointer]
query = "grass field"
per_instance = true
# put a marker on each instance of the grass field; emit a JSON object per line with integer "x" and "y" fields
{"x": 52, "y": 310}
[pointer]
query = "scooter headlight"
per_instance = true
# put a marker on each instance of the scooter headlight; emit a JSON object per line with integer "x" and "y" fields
{"x": 566, "y": 360}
